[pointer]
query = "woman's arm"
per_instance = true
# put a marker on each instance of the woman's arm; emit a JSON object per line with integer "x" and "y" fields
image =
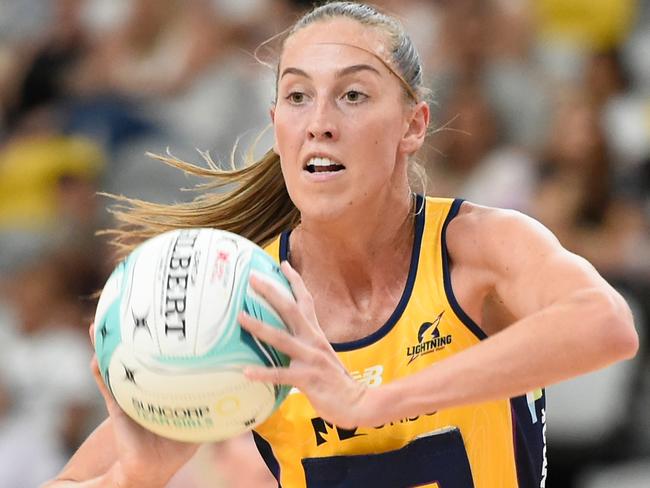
{"x": 94, "y": 463}
{"x": 569, "y": 321}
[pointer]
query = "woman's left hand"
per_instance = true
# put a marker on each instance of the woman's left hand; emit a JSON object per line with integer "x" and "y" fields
{"x": 315, "y": 369}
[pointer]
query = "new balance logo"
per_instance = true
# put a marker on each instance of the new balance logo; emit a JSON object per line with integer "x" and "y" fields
{"x": 371, "y": 376}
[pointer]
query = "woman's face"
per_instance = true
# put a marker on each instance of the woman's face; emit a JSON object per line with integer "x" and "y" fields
{"x": 343, "y": 128}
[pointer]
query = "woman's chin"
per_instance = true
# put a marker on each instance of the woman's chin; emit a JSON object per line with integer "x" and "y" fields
{"x": 324, "y": 211}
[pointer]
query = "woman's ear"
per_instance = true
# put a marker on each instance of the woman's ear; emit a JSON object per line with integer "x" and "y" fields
{"x": 272, "y": 115}
{"x": 416, "y": 129}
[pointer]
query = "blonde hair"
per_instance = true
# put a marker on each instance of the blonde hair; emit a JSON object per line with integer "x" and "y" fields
{"x": 257, "y": 206}
{"x": 253, "y": 201}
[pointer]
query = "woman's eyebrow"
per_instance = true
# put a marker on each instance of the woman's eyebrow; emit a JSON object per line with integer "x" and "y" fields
{"x": 339, "y": 74}
{"x": 356, "y": 68}
{"x": 294, "y": 71}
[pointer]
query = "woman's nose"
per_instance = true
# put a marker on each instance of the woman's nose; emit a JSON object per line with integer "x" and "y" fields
{"x": 323, "y": 126}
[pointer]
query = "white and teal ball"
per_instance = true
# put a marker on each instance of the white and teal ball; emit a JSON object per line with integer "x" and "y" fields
{"x": 169, "y": 345}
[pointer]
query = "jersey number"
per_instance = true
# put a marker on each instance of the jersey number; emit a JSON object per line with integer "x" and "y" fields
{"x": 436, "y": 460}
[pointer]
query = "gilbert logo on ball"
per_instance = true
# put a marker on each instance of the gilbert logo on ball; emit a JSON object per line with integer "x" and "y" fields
{"x": 168, "y": 342}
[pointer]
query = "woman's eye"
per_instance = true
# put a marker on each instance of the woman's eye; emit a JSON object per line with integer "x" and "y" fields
{"x": 354, "y": 96}
{"x": 296, "y": 97}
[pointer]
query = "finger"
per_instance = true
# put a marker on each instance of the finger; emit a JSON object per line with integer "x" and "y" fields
{"x": 295, "y": 280}
{"x": 279, "y": 339}
{"x": 300, "y": 291}
{"x": 94, "y": 367}
{"x": 91, "y": 333}
{"x": 286, "y": 307}
{"x": 111, "y": 405}
{"x": 275, "y": 376}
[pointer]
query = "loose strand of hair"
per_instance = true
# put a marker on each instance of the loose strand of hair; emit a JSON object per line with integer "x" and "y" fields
{"x": 257, "y": 206}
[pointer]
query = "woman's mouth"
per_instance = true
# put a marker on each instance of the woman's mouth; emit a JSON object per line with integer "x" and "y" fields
{"x": 323, "y": 165}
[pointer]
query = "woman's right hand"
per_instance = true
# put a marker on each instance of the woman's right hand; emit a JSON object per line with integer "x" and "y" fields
{"x": 142, "y": 457}
{"x": 119, "y": 452}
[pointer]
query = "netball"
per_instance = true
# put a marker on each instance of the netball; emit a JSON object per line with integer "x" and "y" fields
{"x": 168, "y": 342}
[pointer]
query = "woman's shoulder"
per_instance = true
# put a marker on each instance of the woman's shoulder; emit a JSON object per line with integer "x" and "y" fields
{"x": 476, "y": 220}
{"x": 483, "y": 235}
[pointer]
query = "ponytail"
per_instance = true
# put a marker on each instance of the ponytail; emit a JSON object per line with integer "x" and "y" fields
{"x": 251, "y": 201}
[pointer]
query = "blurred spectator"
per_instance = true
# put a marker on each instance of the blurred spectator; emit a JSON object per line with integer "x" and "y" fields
{"x": 595, "y": 24}
{"x": 48, "y": 62}
{"x": 578, "y": 198}
{"x": 44, "y": 371}
{"x": 605, "y": 77}
{"x": 569, "y": 32}
{"x": 230, "y": 96}
{"x": 517, "y": 87}
{"x": 470, "y": 160}
{"x": 155, "y": 51}
{"x": 47, "y": 178}
{"x": 626, "y": 117}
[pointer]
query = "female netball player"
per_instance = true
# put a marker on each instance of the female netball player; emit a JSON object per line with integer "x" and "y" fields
{"x": 423, "y": 329}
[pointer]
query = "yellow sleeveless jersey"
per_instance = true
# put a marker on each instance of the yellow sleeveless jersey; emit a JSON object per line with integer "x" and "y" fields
{"x": 497, "y": 444}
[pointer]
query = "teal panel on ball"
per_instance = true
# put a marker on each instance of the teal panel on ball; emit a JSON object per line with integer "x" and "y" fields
{"x": 108, "y": 334}
{"x": 262, "y": 263}
{"x": 107, "y": 338}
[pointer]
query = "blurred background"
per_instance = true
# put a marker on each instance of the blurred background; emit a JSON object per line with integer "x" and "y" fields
{"x": 539, "y": 105}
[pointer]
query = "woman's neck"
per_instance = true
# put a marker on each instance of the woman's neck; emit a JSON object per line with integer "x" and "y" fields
{"x": 356, "y": 252}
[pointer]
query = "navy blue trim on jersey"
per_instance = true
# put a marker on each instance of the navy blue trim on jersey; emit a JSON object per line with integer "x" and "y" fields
{"x": 284, "y": 246}
{"x": 406, "y": 294}
{"x": 265, "y": 450}
{"x": 528, "y": 439}
{"x": 458, "y": 310}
